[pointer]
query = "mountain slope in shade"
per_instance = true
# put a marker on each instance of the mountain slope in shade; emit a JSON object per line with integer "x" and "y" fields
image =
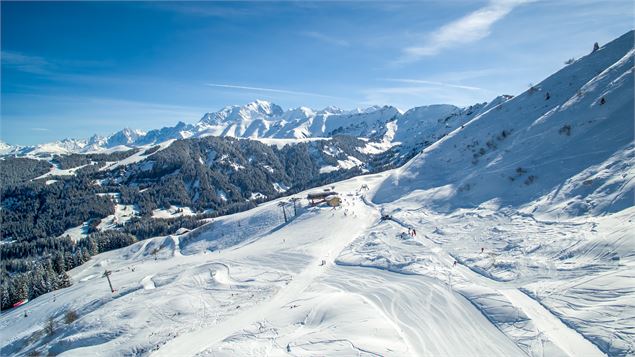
{"x": 564, "y": 140}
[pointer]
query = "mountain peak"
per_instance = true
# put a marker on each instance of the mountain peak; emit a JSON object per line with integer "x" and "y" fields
{"x": 332, "y": 110}
{"x": 126, "y": 136}
{"x": 253, "y": 110}
{"x": 264, "y": 107}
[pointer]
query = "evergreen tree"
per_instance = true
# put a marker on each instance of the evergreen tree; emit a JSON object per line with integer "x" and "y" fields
{"x": 51, "y": 277}
{"x": 69, "y": 261}
{"x": 5, "y": 297}
{"x": 90, "y": 245}
{"x": 58, "y": 263}
{"x": 38, "y": 282}
{"x": 64, "y": 280}
{"x": 22, "y": 290}
{"x": 85, "y": 255}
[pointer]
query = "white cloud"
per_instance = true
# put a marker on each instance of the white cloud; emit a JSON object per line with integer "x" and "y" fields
{"x": 25, "y": 63}
{"x": 52, "y": 68}
{"x": 470, "y": 28}
{"x": 326, "y": 39}
{"x": 207, "y": 9}
{"x": 433, "y": 83}
{"x": 270, "y": 90}
{"x": 417, "y": 92}
{"x": 406, "y": 97}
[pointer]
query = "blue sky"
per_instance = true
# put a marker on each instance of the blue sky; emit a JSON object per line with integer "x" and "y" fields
{"x": 77, "y": 68}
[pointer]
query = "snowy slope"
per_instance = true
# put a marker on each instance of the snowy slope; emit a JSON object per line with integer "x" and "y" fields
{"x": 525, "y": 148}
{"x": 543, "y": 185}
{"x": 254, "y": 296}
{"x": 248, "y": 284}
{"x": 500, "y": 265}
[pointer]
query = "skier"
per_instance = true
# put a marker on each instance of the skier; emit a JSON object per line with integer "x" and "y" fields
{"x": 482, "y": 250}
{"x": 454, "y": 264}
{"x": 414, "y": 233}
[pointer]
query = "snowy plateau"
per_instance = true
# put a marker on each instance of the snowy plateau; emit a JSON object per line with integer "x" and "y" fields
{"x": 511, "y": 234}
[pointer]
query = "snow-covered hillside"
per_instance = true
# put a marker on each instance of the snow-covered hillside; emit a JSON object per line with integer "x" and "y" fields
{"x": 552, "y": 149}
{"x": 512, "y": 235}
{"x": 344, "y": 282}
{"x": 545, "y": 183}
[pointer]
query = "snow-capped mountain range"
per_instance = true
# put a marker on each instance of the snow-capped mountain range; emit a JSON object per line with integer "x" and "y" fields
{"x": 262, "y": 119}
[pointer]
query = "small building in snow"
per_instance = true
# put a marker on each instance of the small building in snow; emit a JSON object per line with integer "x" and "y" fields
{"x": 318, "y": 197}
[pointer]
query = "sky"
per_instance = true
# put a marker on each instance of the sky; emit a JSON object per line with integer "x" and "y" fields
{"x": 74, "y": 69}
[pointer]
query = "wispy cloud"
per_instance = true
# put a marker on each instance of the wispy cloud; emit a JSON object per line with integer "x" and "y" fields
{"x": 472, "y": 74}
{"x": 409, "y": 96}
{"x": 207, "y": 9}
{"x": 432, "y": 83}
{"x": 46, "y": 67}
{"x": 326, "y": 38}
{"x": 270, "y": 90}
{"x": 470, "y": 28}
{"x": 25, "y": 63}
{"x": 39, "y": 129}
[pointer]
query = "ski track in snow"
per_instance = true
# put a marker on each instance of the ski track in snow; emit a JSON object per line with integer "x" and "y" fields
{"x": 405, "y": 300}
{"x": 569, "y": 340}
{"x": 427, "y": 316}
{"x": 383, "y": 289}
{"x": 333, "y": 242}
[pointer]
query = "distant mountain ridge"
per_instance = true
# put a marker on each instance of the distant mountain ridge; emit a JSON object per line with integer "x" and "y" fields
{"x": 265, "y": 120}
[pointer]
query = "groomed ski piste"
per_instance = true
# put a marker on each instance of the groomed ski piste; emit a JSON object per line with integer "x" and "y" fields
{"x": 526, "y": 247}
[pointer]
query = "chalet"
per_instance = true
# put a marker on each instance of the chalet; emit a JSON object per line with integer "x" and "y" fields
{"x": 319, "y": 197}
